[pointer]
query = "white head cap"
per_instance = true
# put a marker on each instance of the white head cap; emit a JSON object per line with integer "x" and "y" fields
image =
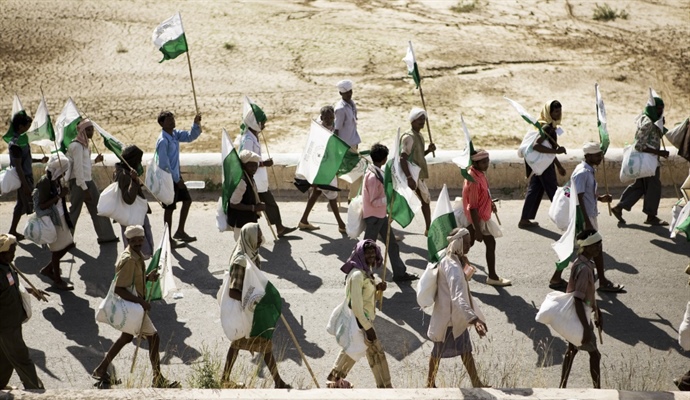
{"x": 416, "y": 113}
{"x": 591, "y": 148}
{"x": 344, "y": 86}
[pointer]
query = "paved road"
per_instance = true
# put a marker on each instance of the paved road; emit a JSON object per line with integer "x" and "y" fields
{"x": 639, "y": 351}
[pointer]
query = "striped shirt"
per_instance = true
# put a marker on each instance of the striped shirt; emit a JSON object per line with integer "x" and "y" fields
{"x": 475, "y": 195}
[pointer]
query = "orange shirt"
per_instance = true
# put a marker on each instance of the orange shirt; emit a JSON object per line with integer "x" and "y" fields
{"x": 475, "y": 195}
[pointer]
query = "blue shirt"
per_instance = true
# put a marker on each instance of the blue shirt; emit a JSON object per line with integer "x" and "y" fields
{"x": 168, "y": 149}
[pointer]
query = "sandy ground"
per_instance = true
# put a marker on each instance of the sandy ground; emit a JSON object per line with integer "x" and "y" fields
{"x": 288, "y": 55}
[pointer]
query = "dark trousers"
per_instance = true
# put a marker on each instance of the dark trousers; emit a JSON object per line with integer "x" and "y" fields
{"x": 538, "y": 185}
{"x": 684, "y": 382}
{"x": 650, "y": 188}
{"x": 14, "y": 356}
{"x": 272, "y": 210}
{"x": 102, "y": 225}
{"x": 377, "y": 228}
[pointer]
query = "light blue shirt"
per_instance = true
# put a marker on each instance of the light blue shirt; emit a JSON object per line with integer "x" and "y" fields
{"x": 168, "y": 149}
{"x": 586, "y": 184}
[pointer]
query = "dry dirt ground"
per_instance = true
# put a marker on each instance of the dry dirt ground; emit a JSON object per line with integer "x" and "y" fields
{"x": 288, "y": 55}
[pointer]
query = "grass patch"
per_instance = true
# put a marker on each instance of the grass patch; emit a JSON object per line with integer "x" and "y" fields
{"x": 206, "y": 374}
{"x": 465, "y": 6}
{"x": 606, "y": 13}
{"x": 229, "y": 46}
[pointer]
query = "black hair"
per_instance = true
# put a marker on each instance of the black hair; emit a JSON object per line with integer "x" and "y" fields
{"x": 379, "y": 152}
{"x": 585, "y": 234}
{"x": 326, "y": 109}
{"x": 555, "y": 104}
{"x": 132, "y": 155}
{"x": 20, "y": 119}
{"x": 162, "y": 116}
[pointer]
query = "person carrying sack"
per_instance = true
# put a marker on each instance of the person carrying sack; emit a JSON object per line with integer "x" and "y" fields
{"x": 131, "y": 272}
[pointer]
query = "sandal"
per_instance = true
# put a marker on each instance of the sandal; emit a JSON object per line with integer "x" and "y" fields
{"x": 656, "y": 221}
{"x": 184, "y": 237}
{"x": 611, "y": 287}
{"x": 528, "y": 224}
{"x": 163, "y": 383}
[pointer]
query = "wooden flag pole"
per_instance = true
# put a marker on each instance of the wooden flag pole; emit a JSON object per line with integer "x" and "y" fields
{"x": 189, "y": 64}
{"x": 268, "y": 221}
{"x": 299, "y": 349}
{"x": 603, "y": 157}
{"x": 268, "y": 153}
{"x": 428, "y": 128}
{"x": 385, "y": 257}
{"x": 675, "y": 186}
{"x": 28, "y": 282}
{"x": 102, "y": 159}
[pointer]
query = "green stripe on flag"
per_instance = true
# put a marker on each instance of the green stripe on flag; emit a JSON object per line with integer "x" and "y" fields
{"x": 437, "y": 238}
{"x": 685, "y": 228}
{"x": 153, "y": 289}
{"x": 401, "y": 211}
{"x": 23, "y": 139}
{"x": 69, "y": 134}
{"x": 232, "y": 175}
{"x": 604, "y": 138}
{"x": 174, "y": 48}
{"x": 335, "y": 155}
{"x": 267, "y": 313}
{"x": 415, "y": 75}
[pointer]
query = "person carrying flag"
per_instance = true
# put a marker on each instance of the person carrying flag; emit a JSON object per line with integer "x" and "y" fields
{"x": 412, "y": 150}
{"x": 243, "y": 206}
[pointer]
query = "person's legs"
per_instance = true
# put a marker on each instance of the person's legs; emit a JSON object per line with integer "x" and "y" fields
{"x": 631, "y": 195}
{"x": 112, "y": 353}
{"x": 270, "y": 361}
{"x": 336, "y": 213}
{"x": 378, "y": 364}
{"x": 567, "y": 364}
{"x": 272, "y": 210}
{"x": 594, "y": 368}
{"x": 229, "y": 363}
{"x": 102, "y": 225}
{"x": 535, "y": 192}
{"x": 397, "y": 264}
{"x": 342, "y": 366}
{"x": 315, "y": 193}
{"x": 373, "y": 226}
{"x": 76, "y": 200}
{"x": 468, "y": 361}
{"x": 154, "y": 355}
{"x": 184, "y": 213}
{"x": 16, "y": 356}
{"x": 652, "y": 195}
{"x": 433, "y": 370}
{"x": 167, "y": 219}
{"x": 490, "y": 243}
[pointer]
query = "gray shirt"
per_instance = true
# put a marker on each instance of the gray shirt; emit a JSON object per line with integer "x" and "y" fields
{"x": 586, "y": 184}
{"x": 346, "y": 122}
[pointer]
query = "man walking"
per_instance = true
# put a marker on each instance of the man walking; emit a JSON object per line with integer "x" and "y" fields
{"x": 346, "y": 125}
{"x": 168, "y": 151}
{"x": 82, "y": 189}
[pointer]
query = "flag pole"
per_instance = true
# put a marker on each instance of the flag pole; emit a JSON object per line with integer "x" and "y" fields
{"x": 385, "y": 258}
{"x": 189, "y": 64}
{"x": 268, "y": 153}
{"x": 102, "y": 160}
{"x": 299, "y": 349}
{"x": 673, "y": 180}
{"x": 603, "y": 159}
{"x": 428, "y": 128}
{"x": 268, "y": 221}
{"x": 28, "y": 282}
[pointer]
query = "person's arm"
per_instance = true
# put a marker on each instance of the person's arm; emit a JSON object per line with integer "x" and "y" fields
{"x": 164, "y": 158}
{"x": 339, "y": 120}
{"x": 356, "y": 300}
{"x": 45, "y": 201}
{"x": 191, "y": 135}
{"x": 642, "y": 137}
{"x": 128, "y": 183}
{"x": 581, "y": 202}
{"x": 373, "y": 191}
{"x": 559, "y": 167}
{"x": 538, "y": 146}
{"x": 457, "y": 286}
{"x": 125, "y": 276}
{"x": 236, "y": 198}
{"x": 406, "y": 143}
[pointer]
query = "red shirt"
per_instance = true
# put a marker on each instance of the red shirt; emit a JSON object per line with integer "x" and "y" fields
{"x": 475, "y": 195}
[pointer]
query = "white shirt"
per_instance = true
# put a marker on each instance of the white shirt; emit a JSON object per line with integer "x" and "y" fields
{"x": 346, "y": 122}
{"x": 80, "y": 164}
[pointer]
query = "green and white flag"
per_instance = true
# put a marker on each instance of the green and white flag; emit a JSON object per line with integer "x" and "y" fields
{"x": 17, "y": 108}
{"x": 232, "y": 169}
{"x": 411, "y": 62}
{"x": 322, "y": 156}
{"x": 601, "y": 121}
{"x": 565, "y": 246}
{"x": 262, "y": 300}
{"x": 681, "y": 223}
{"x": 41, "y": 132}
{"x": 169, "y": 38}
{"x": 403, "y": 203}
{"x": 525, "y": 115}
{"x": 66, "y": 125}
{"x": 464, "y": 160}
{"x": 162, "y": 261}
{"x": 442, "y": 222}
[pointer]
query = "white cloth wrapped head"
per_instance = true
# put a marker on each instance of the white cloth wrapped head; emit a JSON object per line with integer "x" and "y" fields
{"x": 588, "y": 241}
{"x": 416, "y": 112}
{"x": 455, "y": 242}
{"x": 133, "y": 231}
{"x": 58, "y": 165}
{"x": 249, "y": 156}
{"x": 591, "y": 148}
{"x": 6, "y": 241}
{"x": 479, "y": 155}
{"x": 344, "y": 86}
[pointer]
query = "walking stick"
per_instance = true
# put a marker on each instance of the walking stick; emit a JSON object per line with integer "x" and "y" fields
{"x": 299, "y": 348}
{"x": 136, "y": 349}
{"x": 102, "y": 160}
{"x": 189, "y": 63}
{"x": 606, "y": 184}
{"x": 385, "y": 257}
{"x": 28, "y": 282}
{"x": 671, "y": 173}
{"x": 264, "y": 212}
{"x": 428, "y": 128}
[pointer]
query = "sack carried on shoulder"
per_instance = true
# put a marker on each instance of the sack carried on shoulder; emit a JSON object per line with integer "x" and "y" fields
{"x": 235, "y": 321}
{"x": 160, "y": 182}
{"x": 558, "y": 311}
{"x": 559, "y": 212}
{"x": 427, "y": 286}
{"x": 536, "y": 160}
{"x": 40, "y": 230}
{"x": 343, "y": 325}
{"x": 9, "y": 180}
{"x": 637, "y": 165}
{"x": 355, "y": 218}
{"x": 112, "y": 205}
{"x": 119, "y": 313}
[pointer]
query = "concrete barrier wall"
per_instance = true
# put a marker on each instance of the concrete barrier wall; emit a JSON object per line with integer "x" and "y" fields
{"x": 506, "y": 173}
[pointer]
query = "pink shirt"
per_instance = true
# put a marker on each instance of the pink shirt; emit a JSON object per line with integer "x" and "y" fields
{"x": 373, "y": 194}
{"x": 476, "y": 195}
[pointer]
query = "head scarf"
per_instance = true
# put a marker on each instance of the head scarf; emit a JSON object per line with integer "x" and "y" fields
{"x": 357, "y": 259}
{"x": 479, "y": 155}
{"x": 591, "y": 148}
{"x": 81, "y": 138}
{"x": 58, "y": 165}
{"x": 590, "y": 240}
{"x": 134, "y": 231}
{"x": 6, "y": 241}
{"x": 545, "y": 116}
{"x": 344, "y": 86}
{"x": 416, "y": 113}
{"x": 455, "y": 242}
{"x": 247, "y": 247}
{"x": 249, "y": 156}
{"x": 252, "y": 116}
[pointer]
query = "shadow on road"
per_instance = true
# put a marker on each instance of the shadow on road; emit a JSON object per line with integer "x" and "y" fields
{"x": 280, "y": 262}
{"x": 195, "y": 271}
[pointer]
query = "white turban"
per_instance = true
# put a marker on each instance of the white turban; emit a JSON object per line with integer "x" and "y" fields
{"x": 58, "y": 165}
{"x": 455, "y": 244}
{"x": 6, "y": 241}
{"x": 590, "y": 240}
{"x": 416, "y": 113}
{"x": 591, "y": 148}
{"x": 134, "y": 231}
{"x": 249, "y": 156}
{"x": 344, "y": 86}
